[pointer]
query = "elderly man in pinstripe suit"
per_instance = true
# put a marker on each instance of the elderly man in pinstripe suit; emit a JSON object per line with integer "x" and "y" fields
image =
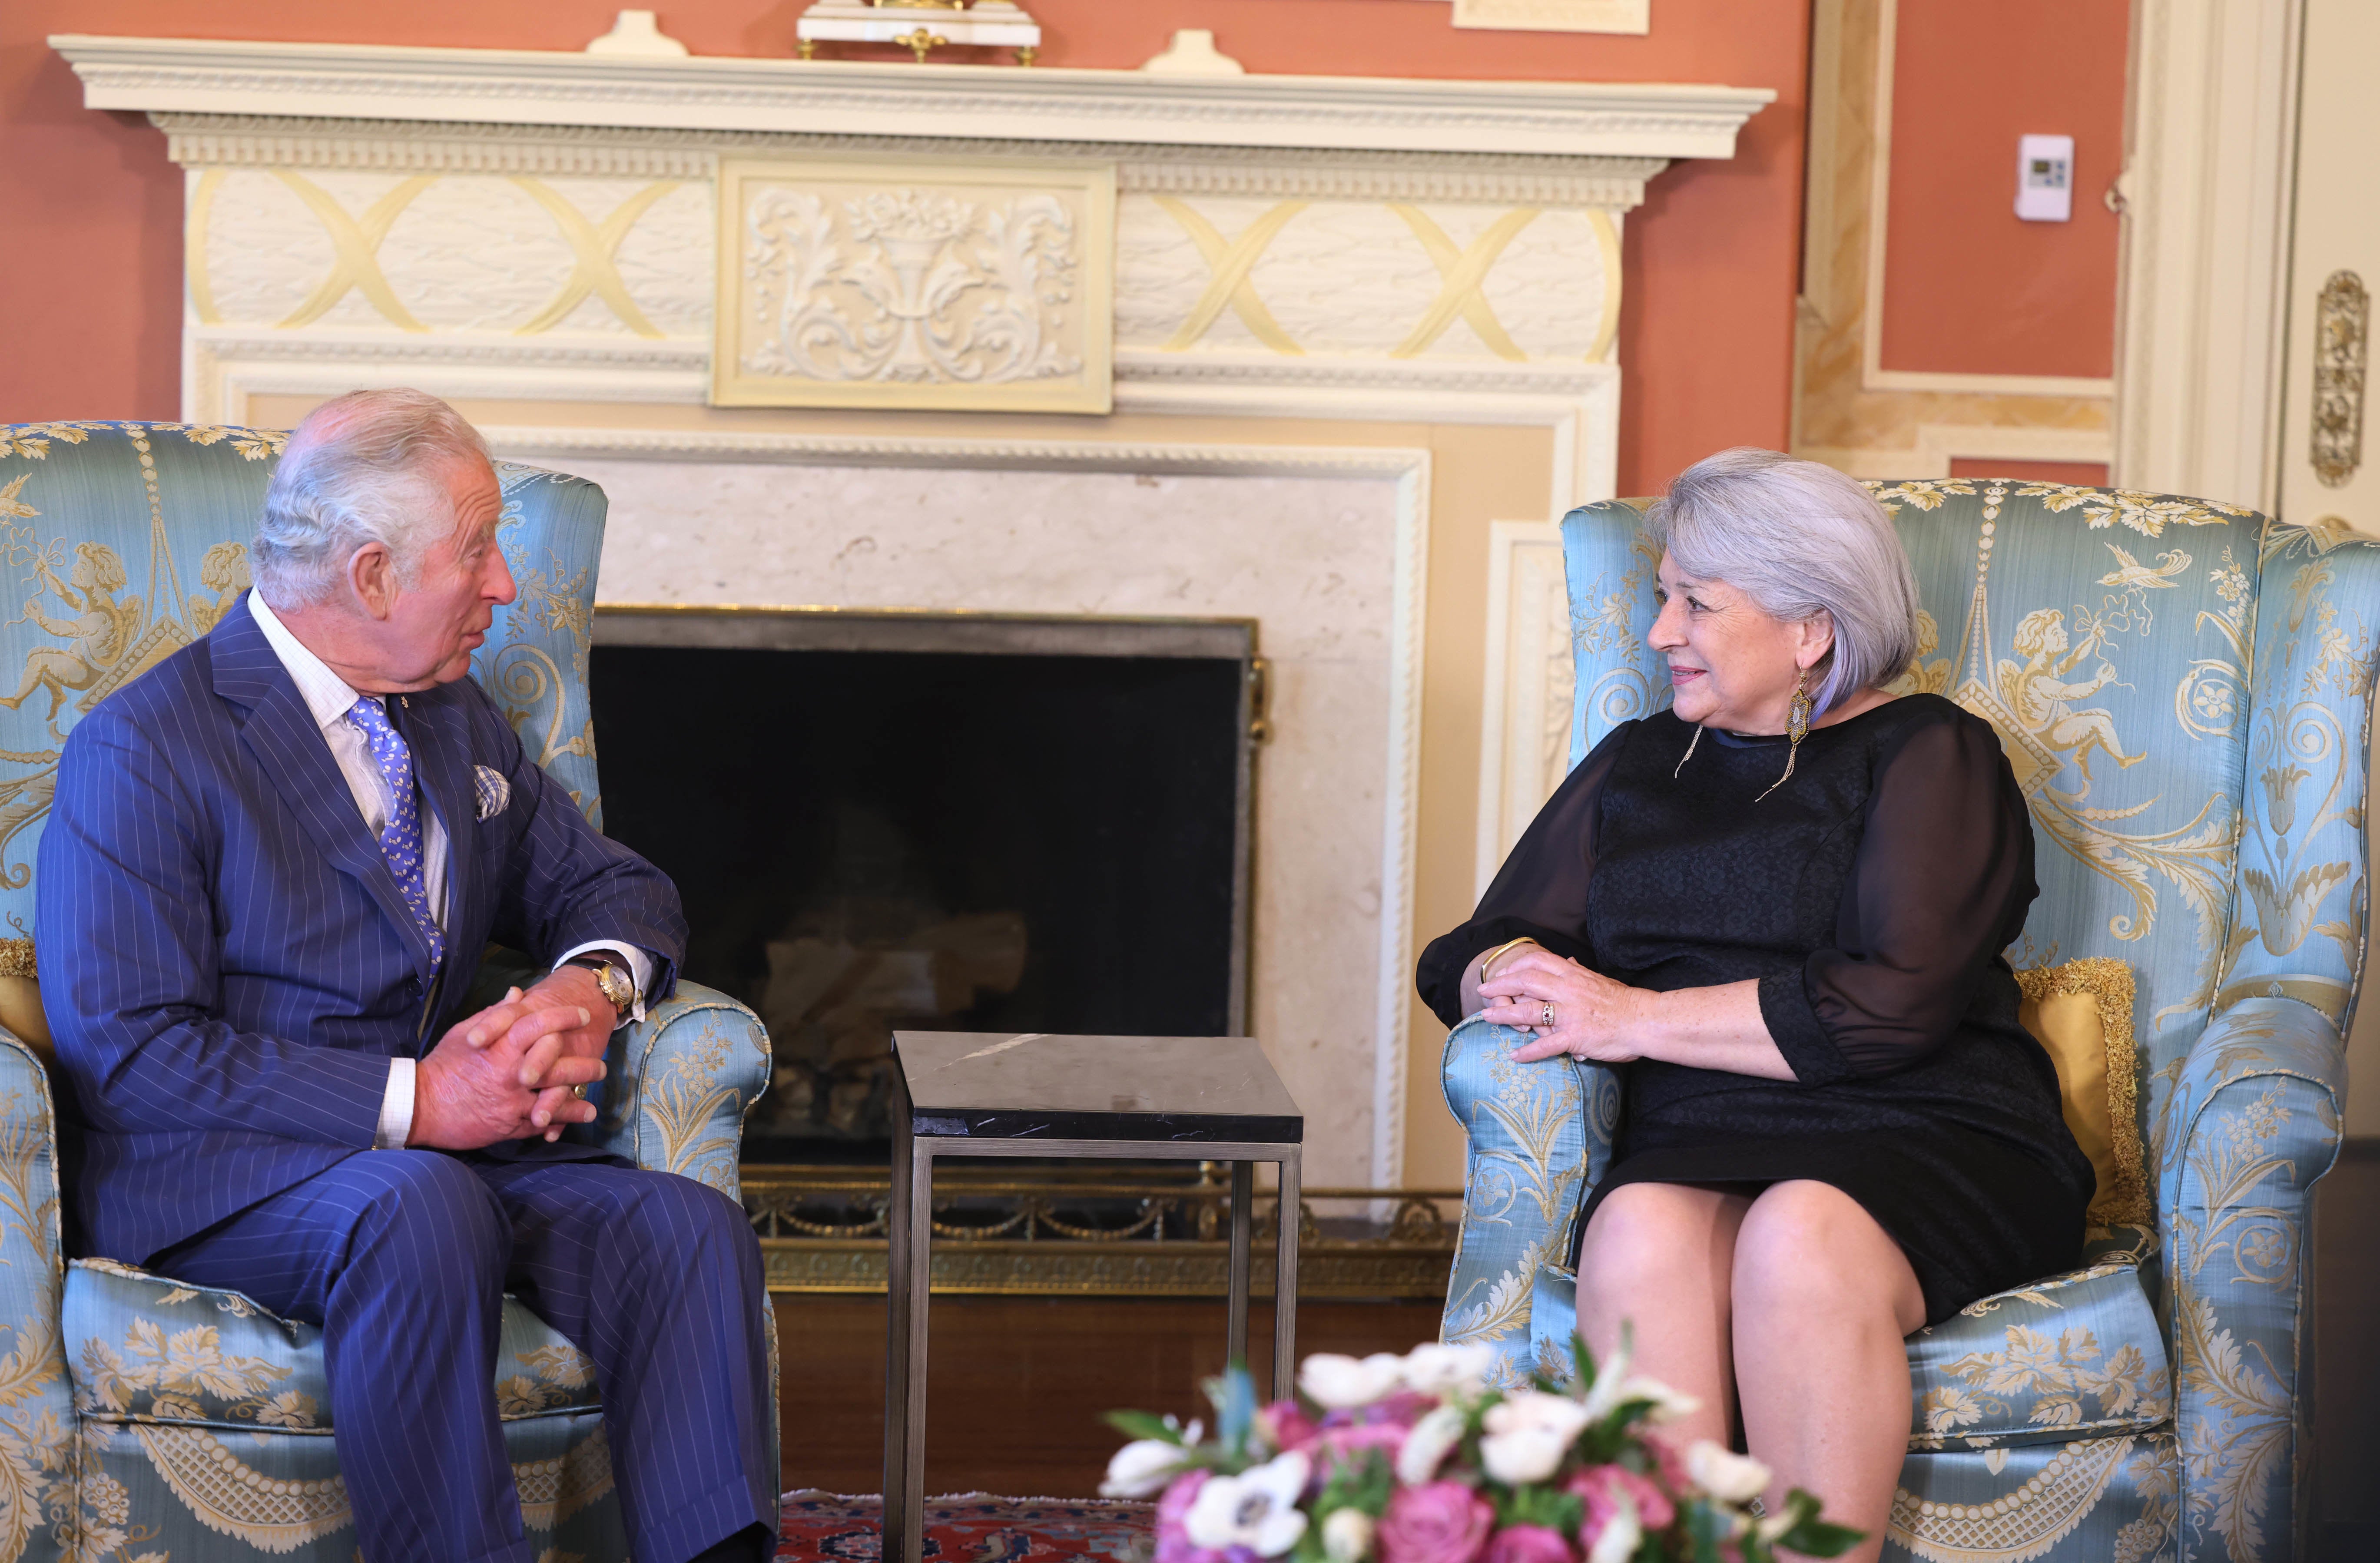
{"x": 271, "y": 865}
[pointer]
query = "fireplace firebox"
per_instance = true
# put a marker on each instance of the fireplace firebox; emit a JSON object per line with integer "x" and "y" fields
{"x": 948, "y": 821}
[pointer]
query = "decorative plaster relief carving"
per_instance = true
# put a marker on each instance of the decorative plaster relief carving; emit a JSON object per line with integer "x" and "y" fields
{"x": 919, "y": 284}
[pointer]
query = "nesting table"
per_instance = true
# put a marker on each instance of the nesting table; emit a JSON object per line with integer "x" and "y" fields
{"x": 1174, "y": 1098}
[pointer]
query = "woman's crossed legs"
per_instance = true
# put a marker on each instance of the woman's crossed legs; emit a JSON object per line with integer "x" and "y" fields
{"x": 1791, "y": 1307}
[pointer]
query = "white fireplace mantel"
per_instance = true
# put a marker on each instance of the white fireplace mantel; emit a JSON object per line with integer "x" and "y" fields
{"x": 1274, "y": 261}
{"x": 843, "y": 97}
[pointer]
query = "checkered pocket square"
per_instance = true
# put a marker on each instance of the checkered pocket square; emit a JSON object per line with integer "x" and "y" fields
{"x": 495, "y": 792}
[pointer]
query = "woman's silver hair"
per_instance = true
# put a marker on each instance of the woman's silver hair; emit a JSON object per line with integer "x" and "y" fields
{"x": 1798, "y": 539}
{"x": 363, "y": 467}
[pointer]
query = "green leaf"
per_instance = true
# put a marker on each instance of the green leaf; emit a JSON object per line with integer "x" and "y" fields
{"x": 1821, "y": 1538}
{"x": 1366, "y": 1484}
{"x": 1705, "y": 1528}
{"x": 1534, "y": 1504}
{"x": 1142, "y": 1425}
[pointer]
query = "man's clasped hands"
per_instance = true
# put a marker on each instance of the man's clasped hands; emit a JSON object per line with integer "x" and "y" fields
{"x": 511, "y": 1071}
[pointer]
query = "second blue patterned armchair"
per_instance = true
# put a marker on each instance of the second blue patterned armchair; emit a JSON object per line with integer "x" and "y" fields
{"x": 2183, "y": 690}
{"x": 141, "y": 1420}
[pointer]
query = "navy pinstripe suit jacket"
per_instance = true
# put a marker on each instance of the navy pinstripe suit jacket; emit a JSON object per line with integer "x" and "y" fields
{"x": 226, "y": 963}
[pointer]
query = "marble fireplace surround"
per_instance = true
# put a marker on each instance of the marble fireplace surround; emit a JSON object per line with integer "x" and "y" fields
{"x": 532, "y": 234}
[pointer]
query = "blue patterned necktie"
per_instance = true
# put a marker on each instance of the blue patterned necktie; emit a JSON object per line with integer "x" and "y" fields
{"x": 400, "y": 839}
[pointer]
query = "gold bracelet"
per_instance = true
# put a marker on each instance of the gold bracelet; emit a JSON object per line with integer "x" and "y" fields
{"x": 1491, "y": 955}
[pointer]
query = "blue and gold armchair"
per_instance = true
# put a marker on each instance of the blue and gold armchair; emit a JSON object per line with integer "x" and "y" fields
{"x": 2183, "y": 690}
{"x": 140, "y": 1419}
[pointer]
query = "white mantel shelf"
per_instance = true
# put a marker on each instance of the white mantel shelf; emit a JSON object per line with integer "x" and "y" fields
{"x": 848, "y": 98}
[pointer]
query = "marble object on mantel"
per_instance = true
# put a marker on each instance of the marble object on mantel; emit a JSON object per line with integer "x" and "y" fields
{"x": 637, "y": 35}
{"x": 988, "y": 24}
{"x": 1013, "y": 1085}
{"x": 1192, "y": 52}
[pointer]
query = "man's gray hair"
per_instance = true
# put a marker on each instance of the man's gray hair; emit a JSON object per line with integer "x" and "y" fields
{"x": 1798, "y": 538}
{"x": 360, "y": 468}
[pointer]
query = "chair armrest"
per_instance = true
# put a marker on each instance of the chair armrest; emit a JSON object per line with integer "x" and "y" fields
{"x": 1541, "y": 1136}
{"x": 678, "y": 1083}
{"x": 2300, "y": 890}
{"x": 36, "y": 1405}
{"x": 682, "y": 1081}
{"x": 2252, "y": 1122}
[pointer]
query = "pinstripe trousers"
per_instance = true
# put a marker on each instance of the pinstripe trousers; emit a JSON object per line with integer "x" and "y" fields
{"x": 403, "y": 1256}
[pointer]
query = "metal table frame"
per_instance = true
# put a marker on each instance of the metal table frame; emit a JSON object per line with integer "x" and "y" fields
{"x": 909, "y": 1237}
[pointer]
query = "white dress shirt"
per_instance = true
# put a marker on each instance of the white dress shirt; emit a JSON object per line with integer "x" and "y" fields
{"x": 329, "y": 697}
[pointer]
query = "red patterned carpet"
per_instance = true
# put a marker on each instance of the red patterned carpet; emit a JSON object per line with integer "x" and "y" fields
{"x": 968, "y": 1528}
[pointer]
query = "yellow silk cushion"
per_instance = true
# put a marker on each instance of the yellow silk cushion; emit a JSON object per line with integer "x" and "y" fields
{"x": 2082, "y": 1013}
{"x": 20, "y": 997}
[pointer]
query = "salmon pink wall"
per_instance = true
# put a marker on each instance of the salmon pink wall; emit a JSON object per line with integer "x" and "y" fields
{"x": 2082, "y": 474}
{"x": 1970, "y": 287}
{"x": 91, "y": 210}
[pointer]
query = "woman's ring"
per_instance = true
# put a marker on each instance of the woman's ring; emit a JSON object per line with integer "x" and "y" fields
{"x": 1546, "y": 1015}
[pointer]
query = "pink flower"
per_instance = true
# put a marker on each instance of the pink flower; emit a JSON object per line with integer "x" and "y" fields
{"x": 1404, "y": 1408}
{"x": 1173, "y": 1544}
{"x": 1336, "y": 1445}
{"x": 1529, "y": 1544}
{"x": 1602, "y": 1487}
{"x": 1287, "y": 1425}
{"x": 1436, "y": 1522}
{"x": 1668, "y": 1461}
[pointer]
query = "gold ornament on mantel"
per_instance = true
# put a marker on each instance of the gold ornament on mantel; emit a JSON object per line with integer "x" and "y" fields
{"x": 919, "y": 41}
{"x": 972, "y": 24}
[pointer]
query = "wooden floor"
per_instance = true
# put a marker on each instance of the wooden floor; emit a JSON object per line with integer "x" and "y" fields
{"x": 1016, "y": 1385}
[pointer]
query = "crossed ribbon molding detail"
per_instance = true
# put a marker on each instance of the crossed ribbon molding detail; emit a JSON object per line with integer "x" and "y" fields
{"x": 1460, "y": 273}
{"x": 355, "y": 243}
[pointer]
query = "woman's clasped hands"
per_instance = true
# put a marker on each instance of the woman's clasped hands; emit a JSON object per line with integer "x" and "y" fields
{"x": 1593, "y": 1016}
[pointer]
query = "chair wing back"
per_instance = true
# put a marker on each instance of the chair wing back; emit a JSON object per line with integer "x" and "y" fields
{"x": 2146, "y": 660}
{"x": 128, "y": 541}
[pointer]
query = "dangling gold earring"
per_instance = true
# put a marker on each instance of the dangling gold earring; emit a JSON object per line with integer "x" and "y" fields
{"x": 1797, "y": 727}
{"x": 1690, "y": 751}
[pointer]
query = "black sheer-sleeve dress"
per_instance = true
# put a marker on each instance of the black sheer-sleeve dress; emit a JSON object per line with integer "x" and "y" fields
{"x": 1871, "y": 897}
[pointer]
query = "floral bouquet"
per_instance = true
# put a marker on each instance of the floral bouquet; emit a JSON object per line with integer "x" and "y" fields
{"x": 1416, "y": 1460}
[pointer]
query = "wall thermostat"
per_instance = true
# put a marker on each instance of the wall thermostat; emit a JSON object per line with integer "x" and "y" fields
{"x": 2045, "y": 178}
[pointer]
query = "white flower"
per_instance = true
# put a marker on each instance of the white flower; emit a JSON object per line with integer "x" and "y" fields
{"x": 1611, "y": 1385}
{"x": 1449, "y": 1371}
{"x": 1523, "y": 1438}
{"x": 1426, "y": 1447}
{"x": 1347, "y": 1535}
{"x": 1257, "y": 1509}
{"x": 1336, "y": 1383}
{"x": 1145, "y": 1465}
{"x": 1622, "y": 1536}
{"x": 1725, "y": 1475}
{"x": 1667, "y": 1403}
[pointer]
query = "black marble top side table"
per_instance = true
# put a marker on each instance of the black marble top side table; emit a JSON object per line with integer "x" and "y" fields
{"x": 1177, "y": 1099}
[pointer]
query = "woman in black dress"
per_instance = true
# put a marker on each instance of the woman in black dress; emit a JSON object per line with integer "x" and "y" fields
{"x": 1779, "y": 908}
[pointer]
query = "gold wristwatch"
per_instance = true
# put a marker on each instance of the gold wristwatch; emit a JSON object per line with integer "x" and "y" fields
{"x": 617, "y": 984}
